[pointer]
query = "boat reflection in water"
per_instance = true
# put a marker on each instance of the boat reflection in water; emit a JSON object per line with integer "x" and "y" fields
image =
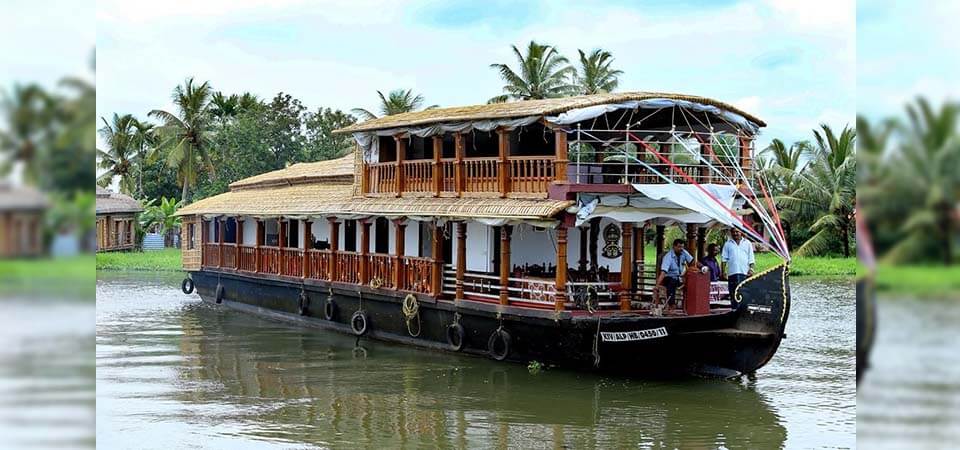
{"x": 319, "y": 387}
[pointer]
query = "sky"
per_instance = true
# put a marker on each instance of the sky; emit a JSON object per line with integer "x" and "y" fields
{"x": 790, "y": 62}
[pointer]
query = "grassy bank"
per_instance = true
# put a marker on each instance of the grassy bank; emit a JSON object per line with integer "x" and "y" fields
{"x": 71, "y": 276}
{"x": 924, "y": 281}
{"x": 167, "y": 260}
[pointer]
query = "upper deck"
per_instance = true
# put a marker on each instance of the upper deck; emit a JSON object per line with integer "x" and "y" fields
{"x": 543, "y": 148}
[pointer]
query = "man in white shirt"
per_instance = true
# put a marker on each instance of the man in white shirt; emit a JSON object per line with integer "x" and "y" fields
{"x": 738, "y": 261}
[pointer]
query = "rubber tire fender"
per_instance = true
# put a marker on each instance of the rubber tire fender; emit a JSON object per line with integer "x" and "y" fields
{"x": 187, "y": 286}
{"x": 499, "y": 335}
{"x": 329, "y": 309}
{"x": 455, "y": 336}
{"x": 219, "y": 298}
{"x": 361, "y": 328}
{"x": 303, "y": 304}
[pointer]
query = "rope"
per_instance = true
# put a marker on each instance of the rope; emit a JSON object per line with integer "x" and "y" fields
{"x": 596, "y": 345}
{"x": 411, "y": 311}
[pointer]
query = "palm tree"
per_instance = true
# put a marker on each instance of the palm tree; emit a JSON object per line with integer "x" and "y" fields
{"x": 29, "y": 112}
{"x": 185, "y": 138}
{"x": 396, "y": 102}
{"x": 781, "y": 163}
{"x": 122, "y": 157}
{"x": 224, "y": 107}
{"x": 595, "y": 75}
{"x": 543, "y": 73}
{"x": 144, "y": 139}
{"x": 824, "y": 193}
{"x": 926, "y": 177}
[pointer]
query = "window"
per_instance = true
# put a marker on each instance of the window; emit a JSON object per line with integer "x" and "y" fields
{"x": 190, "y": 237}
{"x": 350, "y": 235}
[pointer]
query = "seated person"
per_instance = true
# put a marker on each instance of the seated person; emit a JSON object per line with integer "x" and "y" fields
{"x": 711, "y": 262}
{"x": 672, "y": 267}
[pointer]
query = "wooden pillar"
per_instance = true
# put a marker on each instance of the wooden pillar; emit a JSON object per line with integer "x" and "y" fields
{"x": 505, "y": 232}
{"x": 436, "y": 251}
{"x": 437, "y": 173}
{"x": 584, "y": 238}
{"x": 307, "y": 243}
{"x": 560, "y": 165}
{"x": 460, "y": 153}
{"x": 256, "y": 247}
{"x": 503, "y": 175}
{"x": 401, "y": 156}
{"x": 365, "y": 251}
{"x": 561, "y": 281}
{"x": 658, "y": 242}
{"x": 746, "y": 161}
{"x": 281, "y": 233}
{"x": 692, "y": 240}
{"x": 594, "y": 236}
{"x": 334, "y": 247}
{"x": 640, "y": 238}
{"x": 461, "y": 257}
{"x": 399, "y": 241}
{"x": 237, "y": 240}
{"x": 701, "y": 243}
{"x": 626, "y": 266}
{"x": 222, "y": 226}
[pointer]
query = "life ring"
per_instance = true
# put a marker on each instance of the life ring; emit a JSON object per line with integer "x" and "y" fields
{"x": 376, "y": 283}
{"x": 358, "y": 323}
{"x": 499, "y": 344}
{"x": 329, "y": 309}
{"x": 187, "y": 286}
{"x": 219, "y": 298}
{"x": 455, "y": 336}
{"x": 303, "y": 303}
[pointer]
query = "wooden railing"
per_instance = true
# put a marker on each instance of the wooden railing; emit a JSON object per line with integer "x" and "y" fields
{"x": 531, "y": 174}
{"x": 416, "y": 274}
{"x": 382, "y": 178}
{"x": 481, "y": 174}
{"x": 381, "y": 268}
{"x": 270, "y": 260}
{"x": 318, "y": 264}
{"x": 348, "y": 267}
{"x": 418, "y": 176}
{"x": 248, "y": 258}
{"x": 448, "y": 175}
{"x": 229, "y": 256}
{"x": 292, "y": 262}
{"x": 211, "y": 255}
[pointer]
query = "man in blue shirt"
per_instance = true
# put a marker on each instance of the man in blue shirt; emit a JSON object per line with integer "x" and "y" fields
{"x": 738, "y": 260}
{"x": 672, "y": 267}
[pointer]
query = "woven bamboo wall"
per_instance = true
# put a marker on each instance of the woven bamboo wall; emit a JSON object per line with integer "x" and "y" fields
{"x": 190, "y": 248}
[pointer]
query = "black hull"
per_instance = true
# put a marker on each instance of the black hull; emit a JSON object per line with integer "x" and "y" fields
{"x": 739, "y": 341}
{"x": 866, "y": 323}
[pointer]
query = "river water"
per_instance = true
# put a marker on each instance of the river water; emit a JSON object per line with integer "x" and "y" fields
{"x": 910, "y": 397}
{"x": 175, "y": 373}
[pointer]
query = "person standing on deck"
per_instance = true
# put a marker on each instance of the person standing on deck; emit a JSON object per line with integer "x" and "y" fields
{"x": 738, "y": 261}
{"x": 672, "y": 268}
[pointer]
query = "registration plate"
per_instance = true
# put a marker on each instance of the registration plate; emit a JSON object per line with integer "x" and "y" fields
{"x": 638, "y": 335}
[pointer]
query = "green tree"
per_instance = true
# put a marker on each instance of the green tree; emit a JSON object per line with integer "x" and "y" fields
{"x": 541, "y": 73}
{"x": 122, "y": 156}
{"x": 595, "y": 75}
{"x": 824, "y": 193}
{"x": 144, "y": 139}
{"x": 925, "y": 181}
{"x": 160, "y": 217}
{"x": 185, "y": 138}
{"x": 30, "y": 113}
{"x": 321, "y": 143}
{"x": 224, "y": 107}
{"x": 396, "y": 102}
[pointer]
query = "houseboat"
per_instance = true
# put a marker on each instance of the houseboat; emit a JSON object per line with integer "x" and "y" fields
{"x": 514, "y": 231}
{"x": 116, "y": 220}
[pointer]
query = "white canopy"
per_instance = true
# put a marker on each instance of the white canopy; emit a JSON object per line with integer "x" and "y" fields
{"x": 667, "y": 203}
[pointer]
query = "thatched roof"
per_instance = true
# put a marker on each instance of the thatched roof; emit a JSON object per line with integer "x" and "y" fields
{"x": 21, "y": 199}
{"x": 526, "y": 108}
{"x": 331, "y": 199}
{"x": 109, "y": 202}
{"x": 338, "y": 170}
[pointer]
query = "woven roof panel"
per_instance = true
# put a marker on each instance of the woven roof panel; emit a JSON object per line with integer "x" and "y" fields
{"x": 21, "y": 199}
{"x": 527, "y": 108}
{"x": 111, "y": 202}
{"x": 340, "y": 169}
